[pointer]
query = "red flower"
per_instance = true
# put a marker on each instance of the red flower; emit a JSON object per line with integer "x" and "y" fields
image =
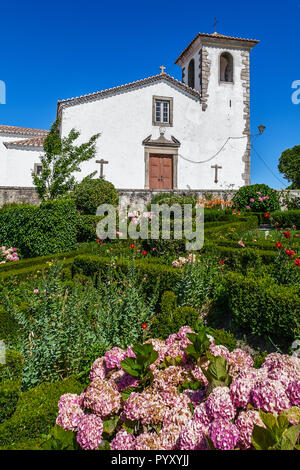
{"x": 221, "y": 262}
{"x": 132, "y": 246}
{"x": 290, "y": 253}
{"x": 287, "y": 234}
{"x": 267, "y": 215}
{"x": 144, "y": 326}
{"x": 278, "y": 245}
{"x": 297, "y": 262}
{"x": 144, "y": 252}
{"x": 98, "y": 240}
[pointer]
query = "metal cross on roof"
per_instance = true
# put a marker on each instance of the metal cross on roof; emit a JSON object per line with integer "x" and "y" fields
{"x": 215, "y": 25}
{"x": 162, "y": 68}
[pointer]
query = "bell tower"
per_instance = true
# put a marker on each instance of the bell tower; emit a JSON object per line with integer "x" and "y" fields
{"x": 218, "y": 66}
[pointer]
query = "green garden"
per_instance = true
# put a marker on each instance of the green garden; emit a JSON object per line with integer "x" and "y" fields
{"x": 68, "y": 300}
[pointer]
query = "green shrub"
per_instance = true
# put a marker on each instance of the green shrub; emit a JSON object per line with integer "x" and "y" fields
{"x": 168, "y": 303}
{"x": 91, "y": 193}
{"x": 170, "y": 199}
{"x": 149, "y": 273}
{"x": 86, "y": 227}
{"x": 242, "y": 198}
{"x": 39, "y": 230}
{"x": 9, "y": 395}
{"x": 36, "y": 412}
{"x": 262, "y": 307}
{"x": 226, "y": 338}
{"x": 287, "y": 219}
{"x": 8, "y": 327}
{"x": 166, "y": 248}
{"x": 171, "y": 318}
{"x": 13, "y": 367}
{"x": 28, "y": 444}
{"x": 260, "y": 359}
{"x": 198, "y": 282}
{"x": 61, "y": 319}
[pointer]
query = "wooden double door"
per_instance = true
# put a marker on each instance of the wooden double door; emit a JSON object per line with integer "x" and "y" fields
{"x": 161, "y": 172}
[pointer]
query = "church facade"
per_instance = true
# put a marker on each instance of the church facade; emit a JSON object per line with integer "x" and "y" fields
{"x": 158, "y": 133}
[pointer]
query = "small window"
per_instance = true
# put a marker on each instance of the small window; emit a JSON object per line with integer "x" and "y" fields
{"x": 38, "y": 167}
{"x": 162, "y": 111}
{"x": 191, "y": 74}
{"x": 226, "y": 67}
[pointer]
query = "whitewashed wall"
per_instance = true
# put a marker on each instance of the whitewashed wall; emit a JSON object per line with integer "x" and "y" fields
{"x": 125, "y": 119}
{"x": 16, "y": 164}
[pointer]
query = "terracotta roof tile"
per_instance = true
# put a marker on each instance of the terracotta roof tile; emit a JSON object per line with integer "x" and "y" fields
{"x": 216, "y": 36}
{"x": 129, "y": 86}
{"x": 15, "y": 130}
{"x": 33, "y": 142}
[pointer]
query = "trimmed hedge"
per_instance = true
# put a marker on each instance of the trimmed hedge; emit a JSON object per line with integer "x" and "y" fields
{"x": 91, "y": 193}
{"x": 36, "y": 412}
{"x": 287, "y": 218}
{"x": 9, "y": 396}
{"x": 26, "y": 267}
{"x": 39, "y": 230}
{"x": 245, "y": 256}
{"x": 150, "y": 272}
{"x": 13, "y": 367}
{"x": 263, "y": 307}
{"x": 242, "y": 198}
{"x": 171, "y": 318}
{"x": 86, "y": 227}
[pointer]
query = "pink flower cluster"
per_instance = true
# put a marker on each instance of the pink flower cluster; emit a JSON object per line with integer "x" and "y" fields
{"x": 167, "y": 416}
{"x": 8, "y": 254}
{"x": 181, "y": 261}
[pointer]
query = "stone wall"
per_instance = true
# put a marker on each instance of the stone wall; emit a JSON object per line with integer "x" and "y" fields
{"x": 29, "y": 195}
{"x": 9, "y": 194}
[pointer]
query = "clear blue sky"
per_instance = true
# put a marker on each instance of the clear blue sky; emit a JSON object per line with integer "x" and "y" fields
{"x": 59, "y": 49}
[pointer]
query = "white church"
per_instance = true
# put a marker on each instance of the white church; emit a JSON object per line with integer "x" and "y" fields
{"x": 157, "y": 133}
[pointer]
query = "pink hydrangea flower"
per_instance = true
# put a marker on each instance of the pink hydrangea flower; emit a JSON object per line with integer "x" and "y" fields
{"x": 192, "y": 437}
{"x": 123, "y": 441}
{"x": 202, "y": 417}
{"x": 245, "y": 424}
{"x": 70, "y": 412}
{"x": 98, "y": 369}
{"x": 219, "y": 404}
{"x": 270, "y": 396}
{"x": 219, "y": 351}
{"x": 147, "y": 441}
{"x": 223, "y": 434}
{"x": 102, "y": 398}
{"x": 293, "y": 393}
{"x": 114, "y": 357}
{"x": 89, "y": 433}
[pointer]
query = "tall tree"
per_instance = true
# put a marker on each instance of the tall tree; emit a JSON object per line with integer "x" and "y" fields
{"x": 61, "y": 159}
{"x": 289, "y": 166}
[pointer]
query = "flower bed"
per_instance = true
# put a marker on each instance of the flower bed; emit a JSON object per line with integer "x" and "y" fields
{"x": 185, "y": 393}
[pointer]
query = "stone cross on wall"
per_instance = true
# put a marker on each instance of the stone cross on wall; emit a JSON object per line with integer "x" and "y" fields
{"x": 102, "y": 162}
{"x": 162, "y": 69}
{"x": 216, "y": 167}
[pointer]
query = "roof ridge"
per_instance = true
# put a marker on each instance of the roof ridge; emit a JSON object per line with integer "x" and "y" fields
{"x": 37, "y": 141}
{"x": 7, "y": 129}
{"x": 132, "y": 84}
{"x": 215, "y": 35}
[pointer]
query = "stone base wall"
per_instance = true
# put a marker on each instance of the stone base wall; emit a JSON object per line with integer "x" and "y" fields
{"x": 17, "y": 194}
{"x": 130, "y": 196}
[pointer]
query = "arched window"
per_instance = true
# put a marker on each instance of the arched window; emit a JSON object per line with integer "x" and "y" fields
{"x": 191, "y": 74}
{"x": 226, "y": 67}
